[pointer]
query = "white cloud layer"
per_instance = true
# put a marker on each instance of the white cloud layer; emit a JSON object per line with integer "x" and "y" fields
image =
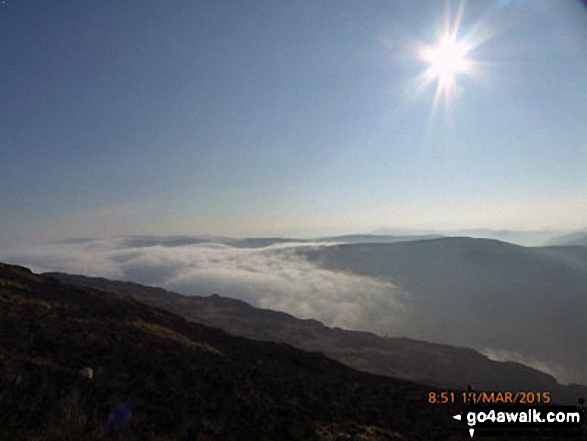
{"x": 518, "y": 326}
{"x": 272, "y": 277}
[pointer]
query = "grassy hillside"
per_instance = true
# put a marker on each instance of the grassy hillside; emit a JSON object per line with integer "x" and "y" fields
{"x": 426, "y": 363}
{"x": 157, "y": 376}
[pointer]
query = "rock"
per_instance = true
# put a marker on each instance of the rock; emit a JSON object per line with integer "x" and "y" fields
{"x": 87, "y": 372}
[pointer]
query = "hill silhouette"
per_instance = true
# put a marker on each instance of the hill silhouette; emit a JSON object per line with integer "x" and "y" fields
{"x": 522, "y": 304}
{"x": 577, "y": 238}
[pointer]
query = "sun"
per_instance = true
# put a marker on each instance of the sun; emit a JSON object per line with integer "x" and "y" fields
{"x": 447, "y": 58}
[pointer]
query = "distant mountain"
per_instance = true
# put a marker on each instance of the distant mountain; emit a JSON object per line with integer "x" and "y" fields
{"x": 517, "y": 303}
{"x": 144, "y": 241}
{"x": 526, "y": 238}
{"x": 377, "y": 238}
{"x": 261, "y": 242}
{"x": 349, "y": 238}
{"x": 78, "y": 363}
{"x": 426, "y": 363}
{"x": 577, "y": 238}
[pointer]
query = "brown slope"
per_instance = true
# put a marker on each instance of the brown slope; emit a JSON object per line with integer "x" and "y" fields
{"x": 423, "y": 362}
{"x": 178, "y": 379}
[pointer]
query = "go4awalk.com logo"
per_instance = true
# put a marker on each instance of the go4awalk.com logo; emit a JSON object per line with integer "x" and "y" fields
{"x": 523, "y": 420}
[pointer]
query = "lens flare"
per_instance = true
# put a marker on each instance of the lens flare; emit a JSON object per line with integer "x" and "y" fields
{"x": 447, "y": 58}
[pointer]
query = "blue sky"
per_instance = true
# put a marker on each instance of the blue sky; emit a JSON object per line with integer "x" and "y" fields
{"x": 286, "y": 118}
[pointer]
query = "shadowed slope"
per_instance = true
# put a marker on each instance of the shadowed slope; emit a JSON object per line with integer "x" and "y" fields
{"x": 526, "y": 303}
{"x": 427, "y": 363}
{"x": 158, "y": 376}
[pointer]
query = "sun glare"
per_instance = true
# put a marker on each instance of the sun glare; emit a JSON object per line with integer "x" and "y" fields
{"x": 447, "y": 58}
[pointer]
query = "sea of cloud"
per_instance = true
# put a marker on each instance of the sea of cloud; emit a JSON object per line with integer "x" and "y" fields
{"x": 282, "y": 277}
{"x": 274, "y": 277}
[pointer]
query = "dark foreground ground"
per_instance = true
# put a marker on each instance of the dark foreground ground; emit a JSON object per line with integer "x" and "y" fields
{"x": 156, "y": 376}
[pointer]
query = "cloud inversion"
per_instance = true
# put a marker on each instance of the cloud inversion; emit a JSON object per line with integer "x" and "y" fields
{"x": 273, "y": 277}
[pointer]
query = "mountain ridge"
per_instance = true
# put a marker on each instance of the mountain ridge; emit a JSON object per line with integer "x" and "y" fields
{"x": 482, "y": 293}
{"x": 427, "y": 363}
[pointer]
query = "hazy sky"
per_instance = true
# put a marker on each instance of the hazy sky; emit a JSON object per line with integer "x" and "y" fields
{"x": 287, "y": 118}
